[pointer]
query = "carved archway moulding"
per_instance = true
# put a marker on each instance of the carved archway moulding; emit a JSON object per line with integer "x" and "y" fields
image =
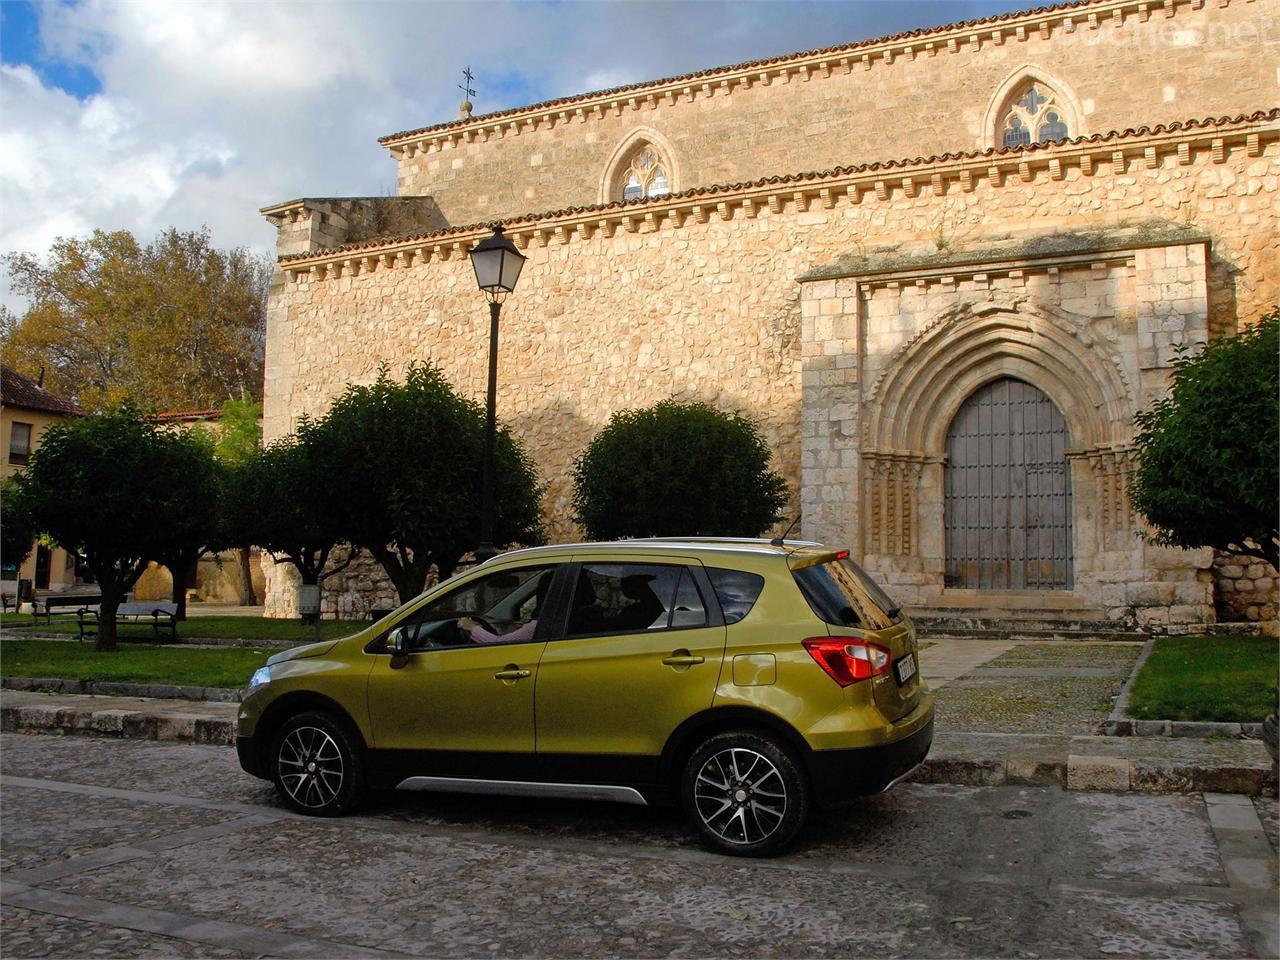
{"x": 621, "y": 156}
{"x": 970, "y": 345}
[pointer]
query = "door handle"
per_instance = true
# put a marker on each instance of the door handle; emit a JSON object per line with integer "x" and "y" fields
{"x": 682, "y": 660}
{"x": 512, "y": 673}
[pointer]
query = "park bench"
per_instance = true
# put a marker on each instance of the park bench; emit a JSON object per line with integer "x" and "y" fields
{"x": 161, "y": 616}
{"x": 8, "y": 598}
{"x": 62, "y": 603}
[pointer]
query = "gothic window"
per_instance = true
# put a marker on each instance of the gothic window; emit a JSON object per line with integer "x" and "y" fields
{"x": 645, "y": 176}
{"x": 1035, "y": 117}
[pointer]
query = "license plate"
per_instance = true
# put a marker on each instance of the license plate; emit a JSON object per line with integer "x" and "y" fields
{"x": 906, "y": 667}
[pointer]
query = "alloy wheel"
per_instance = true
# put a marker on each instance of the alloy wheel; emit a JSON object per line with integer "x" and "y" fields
{"x": 310, "y": 767}
{"x": 740, "y": 796}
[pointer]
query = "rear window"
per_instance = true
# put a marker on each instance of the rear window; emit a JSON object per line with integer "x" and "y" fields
{"x": 841, "y": 593}
{"x": 737, "y": 591}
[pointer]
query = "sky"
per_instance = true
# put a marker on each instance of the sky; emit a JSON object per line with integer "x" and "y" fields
{"x": 146, "y": 114}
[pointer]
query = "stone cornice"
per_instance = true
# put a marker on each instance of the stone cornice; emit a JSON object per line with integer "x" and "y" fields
{"x": 1118, "y": 242}
{"x": 1196, "y": 140}
{"x": 972, "y": 35}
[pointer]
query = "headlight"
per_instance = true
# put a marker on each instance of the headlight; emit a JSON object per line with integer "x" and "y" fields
{"x": 260, "y": 676}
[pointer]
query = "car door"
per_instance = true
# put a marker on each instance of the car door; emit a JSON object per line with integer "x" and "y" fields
{"x": 460, "y": 700}
{"x": 637, "y": 651}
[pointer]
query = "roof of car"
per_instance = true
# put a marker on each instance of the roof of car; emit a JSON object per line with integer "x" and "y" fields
{"x": 727, "y": 545}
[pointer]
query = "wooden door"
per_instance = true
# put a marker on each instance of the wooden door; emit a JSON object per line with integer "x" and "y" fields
{"x": 1008, "y": 492}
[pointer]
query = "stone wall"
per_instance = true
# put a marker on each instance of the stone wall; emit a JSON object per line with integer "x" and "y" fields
{"x": 349, "y": 594}
{"x": 1246, "y": 590}
{"x": 1115, "y": 64}
{"x": 700, "y": 298}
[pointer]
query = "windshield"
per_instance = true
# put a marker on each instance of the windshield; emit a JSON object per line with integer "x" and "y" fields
{"x": 841, "y": 593}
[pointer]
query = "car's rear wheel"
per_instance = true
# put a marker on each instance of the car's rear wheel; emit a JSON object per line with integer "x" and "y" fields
{"x": 317, "y": 765}
{"x": 745, "y": 793}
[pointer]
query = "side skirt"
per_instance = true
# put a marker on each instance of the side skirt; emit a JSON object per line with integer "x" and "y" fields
{"x": 525, "y": 788}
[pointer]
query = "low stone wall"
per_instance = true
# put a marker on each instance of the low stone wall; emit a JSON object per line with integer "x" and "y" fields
{"x": 347, "y": 595}
{"x": 1245, "y": 589}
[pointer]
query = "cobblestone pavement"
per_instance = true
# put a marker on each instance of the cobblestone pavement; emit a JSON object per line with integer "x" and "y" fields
{"x": 1040, "y": 688}
{"x": 144, "y": 849}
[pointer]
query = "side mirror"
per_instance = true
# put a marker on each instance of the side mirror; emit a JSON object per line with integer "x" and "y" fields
{"x": 395, "y": 642}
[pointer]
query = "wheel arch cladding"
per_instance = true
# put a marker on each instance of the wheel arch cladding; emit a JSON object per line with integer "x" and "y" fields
{"x": 279, "y": 711}
{"x": 686, "y": 737}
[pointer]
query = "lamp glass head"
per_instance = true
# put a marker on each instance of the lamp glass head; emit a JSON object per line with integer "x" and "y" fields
{"x": 497, "y": 263}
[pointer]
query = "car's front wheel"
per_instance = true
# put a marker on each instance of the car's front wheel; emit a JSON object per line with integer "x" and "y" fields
{"x": 317, "y": 766}
{"x": 746, "y": 793}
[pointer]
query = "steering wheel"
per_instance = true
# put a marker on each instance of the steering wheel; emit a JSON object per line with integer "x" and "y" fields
{"x": 488, "y": 625}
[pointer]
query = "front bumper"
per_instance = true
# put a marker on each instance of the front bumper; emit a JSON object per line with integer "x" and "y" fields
{"x": 250, "y": 757}
{"x": 839, "y": 776}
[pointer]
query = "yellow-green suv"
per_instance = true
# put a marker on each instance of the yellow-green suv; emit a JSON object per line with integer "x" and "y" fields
{"x": 746, "y": 679}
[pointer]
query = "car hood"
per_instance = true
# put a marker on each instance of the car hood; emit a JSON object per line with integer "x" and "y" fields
{"x": 301, "y": 653}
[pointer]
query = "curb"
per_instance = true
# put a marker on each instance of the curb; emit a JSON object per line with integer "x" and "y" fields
{"x": 1099, "y": 773}
{"x": 1124, "y": 727}
{"x": 110, "y": 688}
{"x": 1121, "y": 775}
{"x": 1122, "y": 701}
{"x": 116, "y": 722}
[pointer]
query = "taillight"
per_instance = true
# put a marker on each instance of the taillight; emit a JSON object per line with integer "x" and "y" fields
{"x": 848, "y": 659}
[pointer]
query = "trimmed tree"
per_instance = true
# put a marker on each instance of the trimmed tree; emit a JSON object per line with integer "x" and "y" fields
{"x": 114, "y": 490}
{"x": 1209, "y": 463}
{"x": 17, "y": 527}
{"x": 282, "y": 498}
{"x": 677, "y": 469}
{"x": 405, "y": 463}
{"x": 188, "y": 469}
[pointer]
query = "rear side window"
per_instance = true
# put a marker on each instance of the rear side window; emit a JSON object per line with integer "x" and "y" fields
{"x": 841, "y": 593}
{"x": 737, "y": 591}
{"x": 634, "y": 598}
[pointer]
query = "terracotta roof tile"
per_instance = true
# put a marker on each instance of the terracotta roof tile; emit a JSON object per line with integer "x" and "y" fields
{"x": 746, "y": 65}
{"x": 17, "y": 390}
{"x": 842, "y": 171}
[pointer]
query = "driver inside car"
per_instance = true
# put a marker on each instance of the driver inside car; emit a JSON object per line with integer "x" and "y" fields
{"x": 521, "y": 630}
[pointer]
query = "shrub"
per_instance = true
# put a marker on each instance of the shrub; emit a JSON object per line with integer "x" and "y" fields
{"x": 1209, "y": 462}
{"x": 677, "y": 469}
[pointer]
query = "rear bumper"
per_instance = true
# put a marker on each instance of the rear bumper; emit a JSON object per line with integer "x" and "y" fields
{"x": 842, "y": 775}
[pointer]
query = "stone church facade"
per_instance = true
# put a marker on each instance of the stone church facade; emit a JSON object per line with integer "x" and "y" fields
{"x": 943, "y": 270}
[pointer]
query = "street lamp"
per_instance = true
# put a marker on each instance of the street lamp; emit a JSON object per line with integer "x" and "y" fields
{"x": 497, "y": 263}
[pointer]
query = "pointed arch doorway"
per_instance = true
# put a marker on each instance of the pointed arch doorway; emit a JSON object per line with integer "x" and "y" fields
{"x": 1007, "y": 501}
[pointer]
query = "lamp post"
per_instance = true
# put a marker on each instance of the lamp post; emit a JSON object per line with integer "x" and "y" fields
{"x": 497, "y": 264}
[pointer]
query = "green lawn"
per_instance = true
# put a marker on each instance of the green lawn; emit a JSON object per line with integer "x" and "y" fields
{"x": 1230, "y": 679}
{"x": 214, "y": 628}
{"x": 132, "y": 663}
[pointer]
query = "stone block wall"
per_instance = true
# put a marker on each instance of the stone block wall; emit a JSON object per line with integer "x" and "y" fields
{"x": 1116, "y": 64}
{"x": 1246, "y": 590}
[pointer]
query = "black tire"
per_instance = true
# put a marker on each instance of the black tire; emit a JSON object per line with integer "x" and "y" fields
{"x": 317, "y": 765}
{"x": 753, "y": 809}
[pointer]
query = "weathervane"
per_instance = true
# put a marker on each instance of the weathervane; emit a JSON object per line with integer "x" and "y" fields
{"x": 464, "y": 108}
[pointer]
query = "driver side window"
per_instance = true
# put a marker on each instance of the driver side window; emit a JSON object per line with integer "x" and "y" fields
{"x": 502, "y": 607}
